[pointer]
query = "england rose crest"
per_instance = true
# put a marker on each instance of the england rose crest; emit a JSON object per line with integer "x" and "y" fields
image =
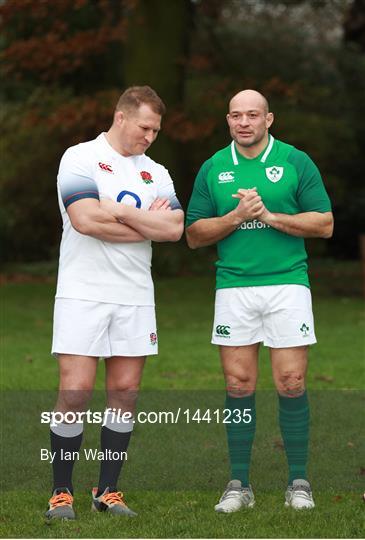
{"x": 146, "y": 177}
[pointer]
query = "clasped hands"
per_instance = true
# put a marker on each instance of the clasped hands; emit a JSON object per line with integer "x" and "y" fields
{"x": 250, "y": 205}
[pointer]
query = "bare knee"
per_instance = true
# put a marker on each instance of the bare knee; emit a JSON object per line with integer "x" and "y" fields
{"x": 291, "y": 383}
{"x": 74, "y": 392}
{"x": 76, "y": 384}
{"x": 74, "y": 400}
{"x": 240, "y": 387}
{"x": 123, "y": 384}
{"x": 123, "y": 394}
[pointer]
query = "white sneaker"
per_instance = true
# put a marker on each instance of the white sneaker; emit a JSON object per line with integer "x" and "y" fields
{"x": 235, "y": 497}
{"x": 299, "y": 495}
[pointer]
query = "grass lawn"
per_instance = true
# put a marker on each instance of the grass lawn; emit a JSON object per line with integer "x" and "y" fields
{"x": 175, "y": 473}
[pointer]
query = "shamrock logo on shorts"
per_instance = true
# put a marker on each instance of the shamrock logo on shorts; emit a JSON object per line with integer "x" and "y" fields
{"x": 304, "y": 329}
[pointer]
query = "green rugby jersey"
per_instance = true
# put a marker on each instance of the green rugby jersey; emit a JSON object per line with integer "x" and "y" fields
{"x": 289, "y": 183}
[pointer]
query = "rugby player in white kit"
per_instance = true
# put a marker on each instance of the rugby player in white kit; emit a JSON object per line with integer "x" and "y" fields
{"x": 114, "y": 201}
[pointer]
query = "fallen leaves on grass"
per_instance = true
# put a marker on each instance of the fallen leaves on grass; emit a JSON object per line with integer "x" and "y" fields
{"x": 278, "y": 444}
{"x": 169, "y": 374}
{"x": 324, "y": 378}
{"x": 24, "y": 278}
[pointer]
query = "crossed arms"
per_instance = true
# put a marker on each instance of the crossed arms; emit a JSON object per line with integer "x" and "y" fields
{"x": 114, "y": 222}
{"x": 205, "y": 232}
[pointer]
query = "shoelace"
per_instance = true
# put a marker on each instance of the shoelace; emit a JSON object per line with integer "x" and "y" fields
{"x": 62, "y": 499}
{"x": 116, "y": 497}
{"x": 301, "y": 488}
{"x": 233, "y": 493}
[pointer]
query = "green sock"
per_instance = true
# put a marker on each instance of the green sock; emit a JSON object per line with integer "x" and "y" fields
{"x": 294, "y": 426}
{"x": 240, "y": 436}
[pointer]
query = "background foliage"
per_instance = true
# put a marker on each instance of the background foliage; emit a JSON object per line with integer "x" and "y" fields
{"x": 65, "y": 63}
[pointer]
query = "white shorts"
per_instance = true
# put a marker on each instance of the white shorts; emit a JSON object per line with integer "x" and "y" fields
{"x": 100, "y": 329}
{"x": 277, "y": 315}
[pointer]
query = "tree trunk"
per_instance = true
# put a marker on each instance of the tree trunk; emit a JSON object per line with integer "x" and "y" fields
{"x": 155, "y": 54}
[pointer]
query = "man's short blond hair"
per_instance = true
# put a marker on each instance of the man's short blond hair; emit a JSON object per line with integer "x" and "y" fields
{"x": 135, "y": 96}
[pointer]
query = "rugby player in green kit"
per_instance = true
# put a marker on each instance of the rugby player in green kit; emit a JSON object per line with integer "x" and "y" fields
{"x": 257, "y": 199}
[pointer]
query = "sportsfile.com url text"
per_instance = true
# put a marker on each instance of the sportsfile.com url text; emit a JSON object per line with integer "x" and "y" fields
{"x": 112, "y": 415}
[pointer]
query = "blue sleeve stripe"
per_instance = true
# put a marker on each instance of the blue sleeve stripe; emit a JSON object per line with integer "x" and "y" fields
{"x": 80, "y": 195}
{"x": 175, "y": 204}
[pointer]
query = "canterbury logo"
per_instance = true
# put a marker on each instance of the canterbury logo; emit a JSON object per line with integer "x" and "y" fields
{"x": 105, "y": 167}
{"x": 226, "y": 177}
{"x": 223, "y": 330}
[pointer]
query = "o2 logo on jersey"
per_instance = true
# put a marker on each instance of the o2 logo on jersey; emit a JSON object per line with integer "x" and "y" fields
{"x": 134, "y": 196}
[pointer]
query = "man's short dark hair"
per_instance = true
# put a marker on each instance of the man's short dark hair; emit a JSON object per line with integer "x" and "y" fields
{"x": 135, "y": 96}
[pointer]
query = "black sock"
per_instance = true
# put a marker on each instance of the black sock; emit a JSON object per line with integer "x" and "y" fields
{"x": 113, "y": 441}
{"x": 62, "y": 468}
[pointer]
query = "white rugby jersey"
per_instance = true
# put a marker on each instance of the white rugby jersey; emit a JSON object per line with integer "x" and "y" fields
{"x": 90, "y": 269}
